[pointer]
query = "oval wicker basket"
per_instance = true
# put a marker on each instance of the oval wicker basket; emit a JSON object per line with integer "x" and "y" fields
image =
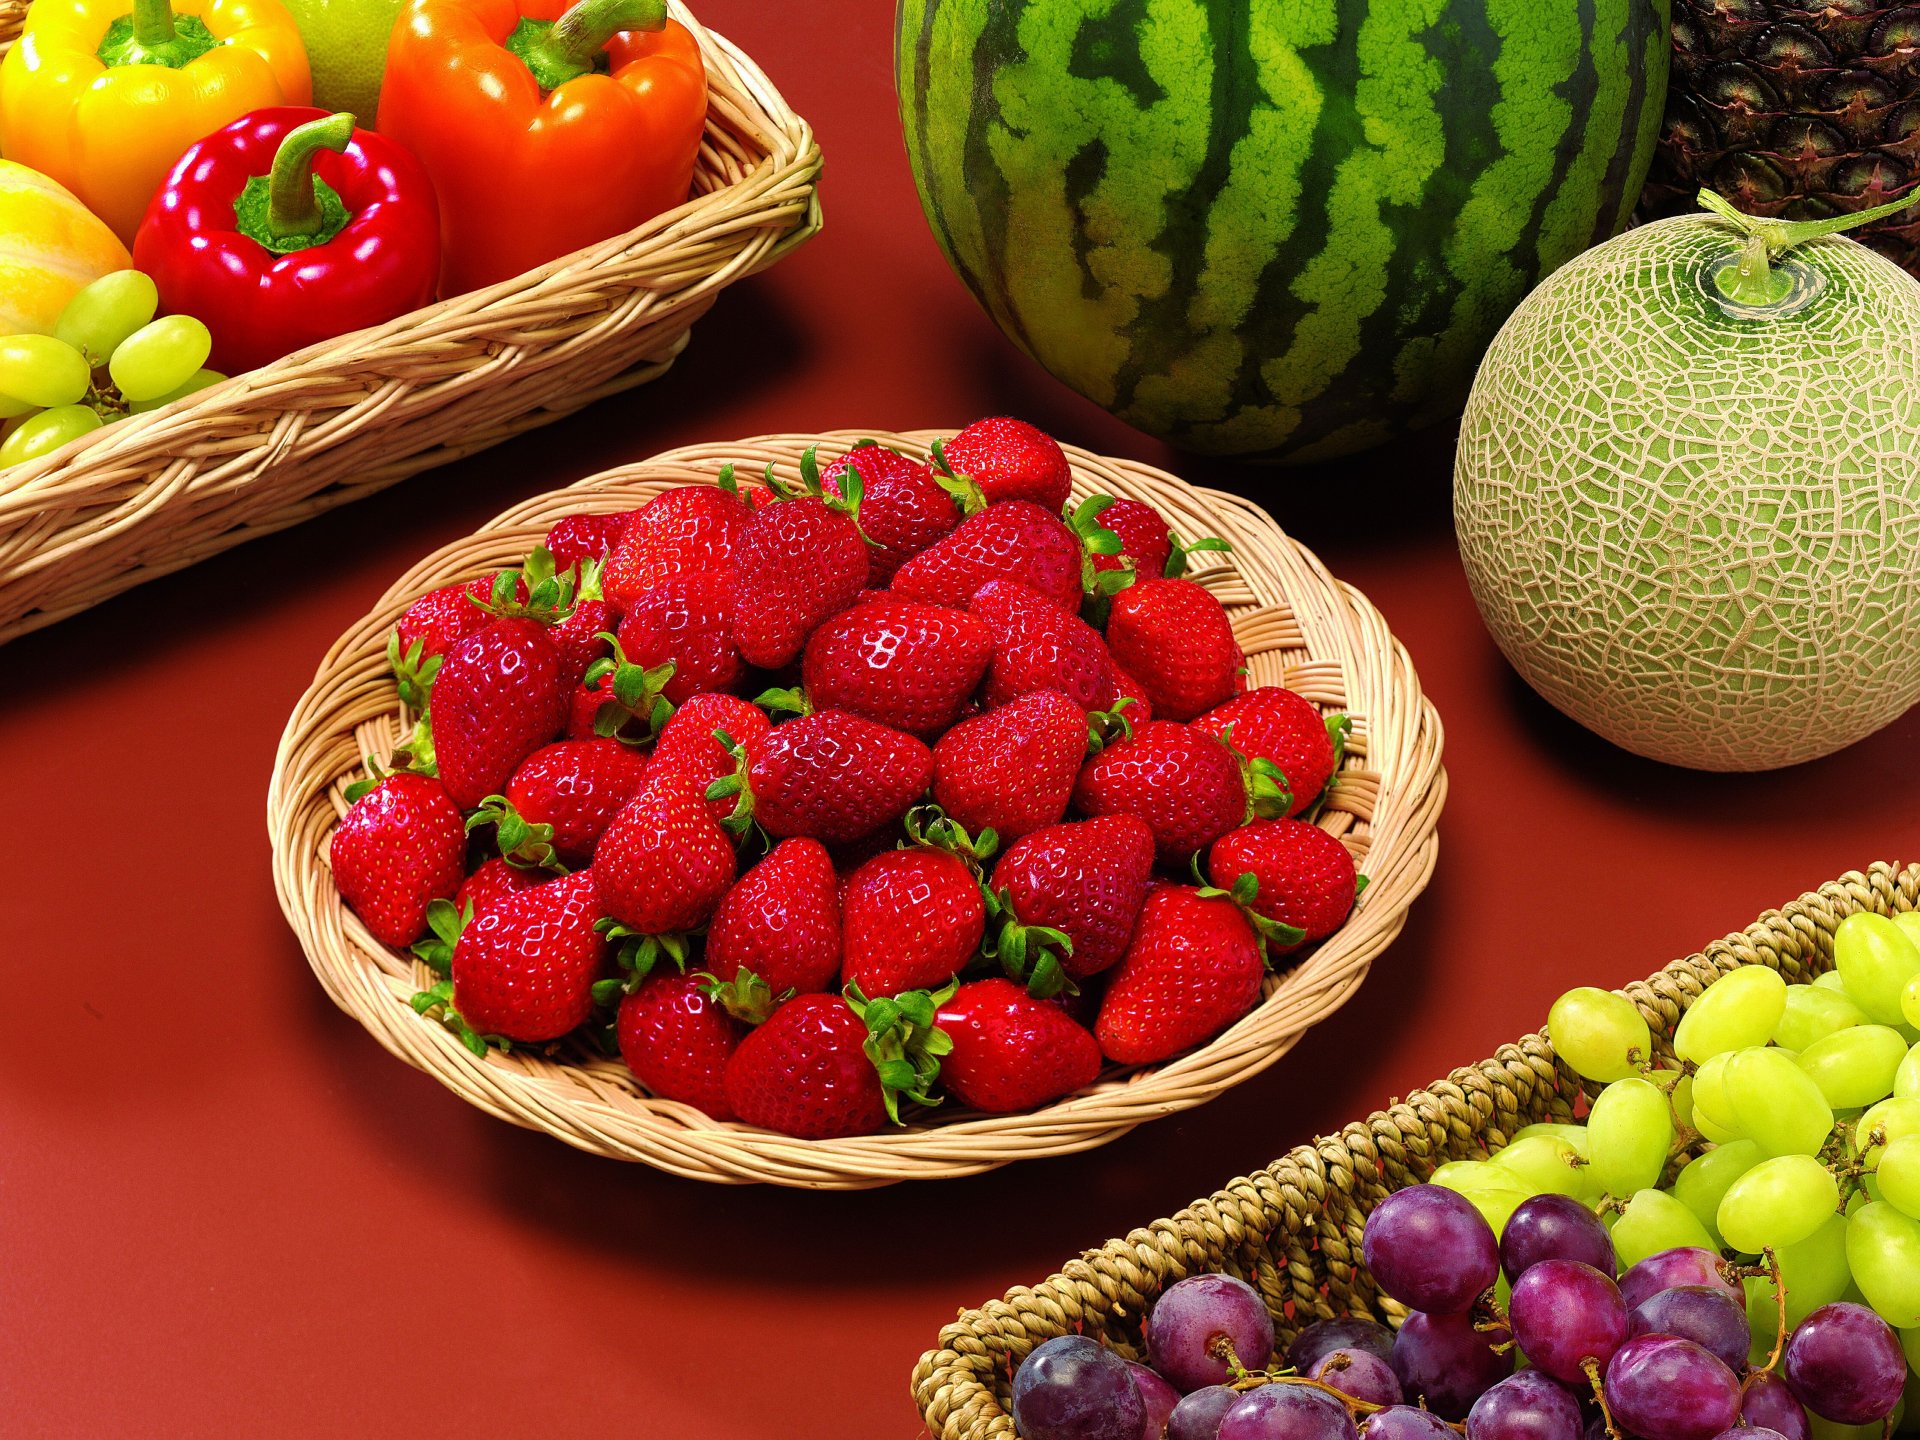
{"x": 268, "y": 449}
{"x": 1293, "y": 1230}
{"x": 1298, "y": 625}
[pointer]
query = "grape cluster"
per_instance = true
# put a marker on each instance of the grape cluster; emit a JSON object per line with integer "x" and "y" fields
{"x": 108, "y": 357}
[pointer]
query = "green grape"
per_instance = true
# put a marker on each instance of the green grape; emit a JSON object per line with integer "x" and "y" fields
{"x": 1629, "y": 1135}
{"x": 1883, "y": 1251}
{"x": 1814, "y": 1273}
{"x": 1910, "y": 1003}
{"x": 40, "y": 370}
{"x": 1678, "y": 1087}
{"x": 1779, "y": 1202}
{"x": 1713, "y": 1113}
{"x": 1909, "y": 921}
{"x": 12, "y": 409}
{"x": 198, "y": 381}
{"x": 100, "y": 317}
{"x": 1654, "y": 1221}
{"x": 1546, "y": 1164}
{"x": 1600, "y": 1034}
{"x": 1882, "y": 1125}
{"x": 47, "y": 432}
{"x": 1735, "y": 1012}
{"x": 1497, "y": 1204}
{"x": 1574, "y": 1135}
{"x": 159, "y": 357}
{"x": 1906, "y": 1080}
{"x": 1910, "y": 1342}
{"x": 1464, "y": 1175}
{"x": 1856, "y": 1066}
{"x": 1831, "y": 980}
{"x": 1873, "y": 955}
{"x": 1812, "y": 1014}
{"x": 1704, "y": 1181}
{"x": 1898, "y": 1175}
{"x": 1775, "y": 1102}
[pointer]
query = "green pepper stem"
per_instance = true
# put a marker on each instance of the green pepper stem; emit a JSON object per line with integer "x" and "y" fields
{"x": 1753, "y": 281}
{"x": 293, "y": 207}
{"x": 153, "y": 23}
{"x": 568, "y": 48}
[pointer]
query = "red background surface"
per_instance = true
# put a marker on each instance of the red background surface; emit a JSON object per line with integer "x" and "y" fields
{"x": 225, "y": 1211}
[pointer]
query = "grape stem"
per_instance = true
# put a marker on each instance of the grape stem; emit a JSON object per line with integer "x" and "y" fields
{"x": 1592, "y": 1367}
{"x": 1254, "y": 1379}
{"x": 1768, "y": 1268}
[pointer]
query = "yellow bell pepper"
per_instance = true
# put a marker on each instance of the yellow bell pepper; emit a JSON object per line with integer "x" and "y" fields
{"x": 50, "y": 246}
{"x": 105, "y": 100}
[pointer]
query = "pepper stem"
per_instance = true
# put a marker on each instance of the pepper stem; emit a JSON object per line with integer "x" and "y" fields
{"x": 293, "y": 204}
{"x": 1754, "y": 281}
{"x": 153, "y": 23}
{"x": 567, "y": 49}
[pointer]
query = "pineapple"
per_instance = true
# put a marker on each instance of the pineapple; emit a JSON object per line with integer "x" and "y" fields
{"x": 1795, "y": 108}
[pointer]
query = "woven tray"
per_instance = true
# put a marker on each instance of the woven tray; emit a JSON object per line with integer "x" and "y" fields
{"x": 1294, "y": 1229}
{"x": 340, "y": 420}
{"x": 1299, "y": 627}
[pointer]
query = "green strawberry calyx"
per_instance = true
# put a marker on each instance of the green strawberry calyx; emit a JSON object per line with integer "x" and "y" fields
{"x": 550, "y": 596}
{"x": 445, "y": 921}
{"x": 1338, "y": 728}
{"x": 1276, "y": 934}
{"x": 1107, "y": 727}
{"x": 746, "y": 996}
{"x": 741, "y": 821}
{"x": 1097, "y": 585}
{"x": 1176, "y": 565}
{"x": 522, "y": 845}
{"x": 903, "y": 1043}
{"x": 932, "y": 827}
{"x": 1031, "y": 955}
{"x": 1269, "y": 792}
{"x": 635, "y": 696}
{"x": 637, "y": 954}
{"x": 847, "y": 502}
{"x": 964, "y": 489}
{"x": 412, "y": 756}
{"x": 413, "y": 670}
{"x": 437, "y": 1003}
{"x": 784, "y": 700}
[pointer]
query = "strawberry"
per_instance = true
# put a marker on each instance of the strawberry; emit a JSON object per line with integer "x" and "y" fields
{"x": 688, "y": 620}
{"x": 912, "y": 919}
{"x": 1039, "y": 646}
{"x": 683, "y": 529}
{"x": 1187, "y": 786}
{"x": 677, "y": 1040}
{"x": 426, "y": 630}
{"x": 898, "y": 662}
{"x": 1014, "y": 541}
{"x": 904, "y": 506}
{"x": 399, "y": 848}
{"x": 664, "y": 863}
{"x": 798, "y": 560}
{"x": 584, "y": 535}
{"x": 498, "y": 697}
{"x": 1011, "y": 1051}
{"x": 1192, "y": 969}
{"x": 523, "y": 969}
{"x": 572, "y": 789}
{"x": 1275, "y": 724}
{"x": 1012, "y": 770}
{"x": 781, "y": 922}
{"x": 494, "y": 880}
{"x": 1010, "y": 460}
{"x": 620, "y": 700}
{"x": 1122, "y": 687}
{"x": 1176, "y": 640}
{"x": 830, "y": 775}
{"x": 1146, "y": 540}
{"x": 1080, "y": 883}
{"x": 688, "y": 745}
{"x": 1304, "y": 877}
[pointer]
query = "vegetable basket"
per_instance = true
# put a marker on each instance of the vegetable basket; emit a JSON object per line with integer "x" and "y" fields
{"x": 1293, "y": 1230}
{"x": 157, "y": 492}
{"x": 1298, "y": 625}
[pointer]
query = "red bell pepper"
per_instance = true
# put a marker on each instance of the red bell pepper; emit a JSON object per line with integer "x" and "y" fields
{"x": 290, "y": 227}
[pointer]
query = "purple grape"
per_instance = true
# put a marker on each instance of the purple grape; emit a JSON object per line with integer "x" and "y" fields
{"x": 1664, "y": 1388}
{"x": 1361, "y": 1374}
{"x": 1407, "y": 1422}
{"x": 1698, "y": 1313}
{"x": 1350, "y": 1332}
{"x": 1157, "y": 1395}
{"x": 1565, "y": 1314}
{"x": 1431, "y": 1250}
{"x": 1672, "y": 1268}
{"x": 1844, "y": 1364}
{"x": 1073, "y": 1388}
{"x": 1197, "y": 1416}
{"x": 1444, "y": 1360}
{"x": 1287, "y": 1412}
{"x": 1555, "y": 1227}
{"x": 1195, "y": 1321}
{"x": 1766, "y": 1403}
{"x": 1749, "y": 1432}
{"x": 1527, "y": 1406}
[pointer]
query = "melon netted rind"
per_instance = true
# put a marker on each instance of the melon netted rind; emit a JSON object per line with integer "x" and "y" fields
{"x": 1695, "y": 533}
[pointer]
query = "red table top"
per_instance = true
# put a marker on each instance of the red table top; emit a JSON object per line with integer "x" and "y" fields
{"x": 227, "y": 1212}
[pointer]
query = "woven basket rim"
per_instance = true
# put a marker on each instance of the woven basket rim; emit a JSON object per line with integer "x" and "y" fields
{"x": 326, "y": 733}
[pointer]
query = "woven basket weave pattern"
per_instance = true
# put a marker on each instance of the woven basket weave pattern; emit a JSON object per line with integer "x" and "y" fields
{"x": 1293, "y": 1230}
{"x": 156, "y": 493}
{"x": 1298, "y": 626}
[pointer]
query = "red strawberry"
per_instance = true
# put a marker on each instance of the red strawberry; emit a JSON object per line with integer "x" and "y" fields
{"x": 439, "y": 620}
{"x": 1305, "y": 876}
{"x": 781, "y": 922}
{"x": 577, "y": 637}
{"x": 1083, "y": 881}
{"x": 664, "y": 863}
{"x": 687, "y": 528}
{"x": 898, "y": 662}
{"x": 1012, "y": 770}
{"x": 1187, "y": 786}
{"x": 913, "y": 919}
{"x": 1011, "y": 1051}
{"x": 1122, "y": 686}
{"x": 834, "y": 776}
{"x": 524, "y": 968}
{"x": 1176, "y": 640}
{"x": 688, "y": 745}
{"x": 1011, "y": 460}
{"x": 568, "y": 602}
{"x": 1192, "y": 969}
{"x": 903, "y": 508}
{"x": 1015, "y": 541}
{"x": 584, "y": 535}
{"x": 398, "y": 849}
{"x": 1275, "y": 724}
{"x": 797, "y": 561}
{"x": 574, "y": 788}
{"x": 1039, "y": 646}
{"x": 498, "y": 698}
{"x": 677, "y": 1040}
{"x": 1146, "y": 540}
{"x": 688, "y": 620}
{"x": 493, "y": 881}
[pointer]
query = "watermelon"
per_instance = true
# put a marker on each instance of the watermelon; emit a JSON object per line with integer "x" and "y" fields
{"x": 1283, "y": 229}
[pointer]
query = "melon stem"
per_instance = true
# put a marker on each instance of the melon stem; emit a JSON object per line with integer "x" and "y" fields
{"x": 1754, "y": 281}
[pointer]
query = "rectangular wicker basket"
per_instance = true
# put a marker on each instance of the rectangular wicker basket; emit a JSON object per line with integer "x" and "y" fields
{"x": 1293, "y": 1230}
{"x": 158, "y": 492}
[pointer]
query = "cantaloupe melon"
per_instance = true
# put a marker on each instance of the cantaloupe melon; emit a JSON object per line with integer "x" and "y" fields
{"x": 1687, "y": 491}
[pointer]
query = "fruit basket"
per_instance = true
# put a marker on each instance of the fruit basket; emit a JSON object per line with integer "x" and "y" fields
{"x": 265, "y": 450}
{"x": 1298, "y": 626}
{"x": 1294, "y": 1229}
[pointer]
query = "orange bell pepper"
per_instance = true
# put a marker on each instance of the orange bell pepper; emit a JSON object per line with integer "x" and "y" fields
{"x": 544, "y": 131}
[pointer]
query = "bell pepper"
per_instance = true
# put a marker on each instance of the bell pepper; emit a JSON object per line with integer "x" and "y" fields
{"x": 50, "y": 246}
{"x": 290, "y": 227}
{"x": 104, "y": 99}
{"x": 542, "y": 134}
